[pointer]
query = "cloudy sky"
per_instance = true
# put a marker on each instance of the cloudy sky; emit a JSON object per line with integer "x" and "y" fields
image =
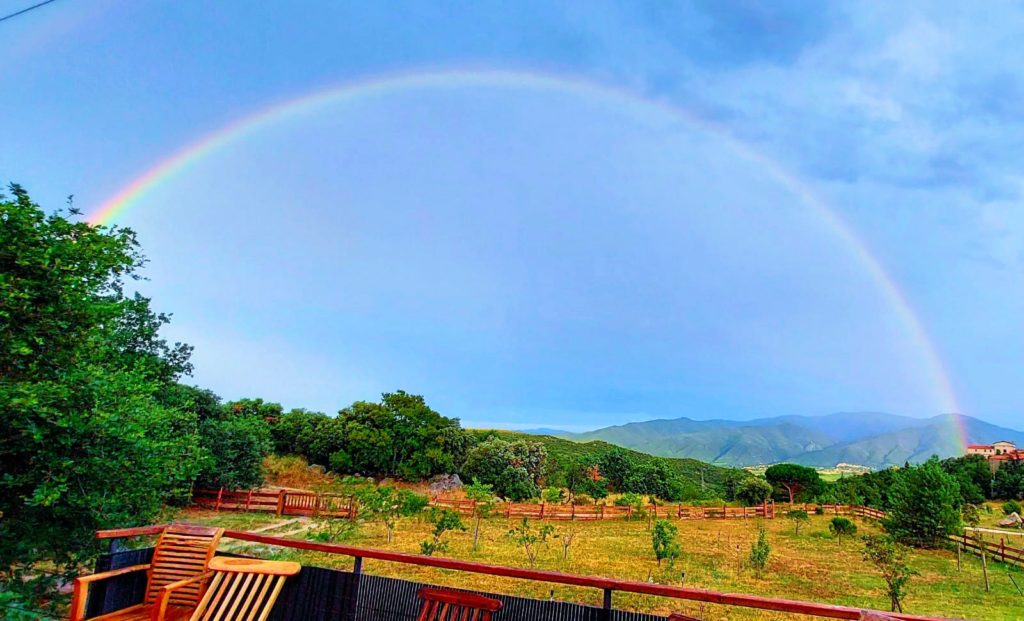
{"x": 554, "y": 214}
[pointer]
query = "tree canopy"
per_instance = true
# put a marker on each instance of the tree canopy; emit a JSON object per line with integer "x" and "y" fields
{"x": 794, "y": 479}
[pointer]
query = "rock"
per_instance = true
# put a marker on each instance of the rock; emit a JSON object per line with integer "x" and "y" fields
{"x": 445, "y": 483}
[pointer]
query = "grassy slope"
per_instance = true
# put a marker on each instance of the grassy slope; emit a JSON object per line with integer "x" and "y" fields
{"x": 811, "y": 566}
{"x": 561, "y": 451}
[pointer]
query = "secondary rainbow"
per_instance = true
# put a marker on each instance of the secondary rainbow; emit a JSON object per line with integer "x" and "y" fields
{"x": 188, "y": 157}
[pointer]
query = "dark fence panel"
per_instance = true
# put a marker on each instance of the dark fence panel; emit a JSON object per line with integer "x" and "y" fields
{"x": 120, "y": 591}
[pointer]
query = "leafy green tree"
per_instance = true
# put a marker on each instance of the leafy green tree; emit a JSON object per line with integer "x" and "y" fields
{"x": 890, "y": 558}
{"x": 583, "y": 476}
{"x": 841, "y": 527}
{"x": 973, "y": 475}
{"x": 531, "y": 539}
{"x": 514, "y": 469}
{"x": 794, "y": 479}
{"x": 760, "y": 550}
{"x": 234, "y": 449}
{"x": 1008, "y": 482}
{"x": 482, "y": 495}
{"x": 444, "y": 521}
{"x": 925, "y": 505}
{"x": 799, "y": 518}
{"x": 87, "y": 441}
{"x": 664, "y": 540}
{"x": 254, "y": 408}
{"x": 753, "y": 491}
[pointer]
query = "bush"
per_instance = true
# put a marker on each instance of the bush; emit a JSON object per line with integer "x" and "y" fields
{"x": 1011, "y": 506}
{"x": 443, "y": 521}
{"x": 553, "y": 495}
{"x": 582, "y": 499}
{"x": 753, "y": 491}
{"x": 842, "y": 527}
{"x": 512, "y": 468}
{"x": 629, "y": 499}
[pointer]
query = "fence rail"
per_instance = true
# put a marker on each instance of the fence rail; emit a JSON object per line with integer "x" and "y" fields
{"x": 607, "y": 585}
{"x": 282, "y": 502}
{"x": 998, "y": 551}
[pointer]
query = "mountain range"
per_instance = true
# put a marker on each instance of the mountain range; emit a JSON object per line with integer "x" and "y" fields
{"x": 873, "y": 439}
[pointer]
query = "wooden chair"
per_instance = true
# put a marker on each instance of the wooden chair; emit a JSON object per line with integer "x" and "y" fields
{"x": 243, "y": 588}
{"x": 441, "y": 605}
{"x": 181, "y": 555}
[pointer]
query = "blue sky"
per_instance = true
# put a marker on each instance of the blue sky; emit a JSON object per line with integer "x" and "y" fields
{"x": 621, "y": 244}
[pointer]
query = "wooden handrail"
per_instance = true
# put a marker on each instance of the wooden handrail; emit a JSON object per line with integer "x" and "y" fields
{"x": 597, "y": 582}
{"x": 121, "y": 533}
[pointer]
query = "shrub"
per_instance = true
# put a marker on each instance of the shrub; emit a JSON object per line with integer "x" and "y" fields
{"x": 760, "y": 550}
{"x": 819, "y": 510}
{"x": 970, "y": 515}
{"x": 1011, "y": 506}
{"x": 842, "y": 527}
{"x": 553, "y": 495}
{"x": 753, "y": 491}
{"x": 582, "y": 499}
{"x": 629, "y": 499}
{"x": 663, "y": 540}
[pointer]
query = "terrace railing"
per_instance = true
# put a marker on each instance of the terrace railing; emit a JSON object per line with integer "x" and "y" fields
{"x": 329, "y": 600}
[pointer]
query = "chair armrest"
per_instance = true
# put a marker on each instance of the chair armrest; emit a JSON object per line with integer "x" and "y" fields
{"x": 82, "y": 584}
{"x": 164, "y": 595}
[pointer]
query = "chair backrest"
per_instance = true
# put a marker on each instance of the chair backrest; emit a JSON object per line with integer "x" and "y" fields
{"x": 441, "y": 605}
{"x": 243, "y": 588}
{"x": 678, "y": 616}
{"x": 182, "y": 551}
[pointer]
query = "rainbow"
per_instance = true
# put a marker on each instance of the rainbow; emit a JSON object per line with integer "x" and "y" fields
{"x": 192, "y": 154}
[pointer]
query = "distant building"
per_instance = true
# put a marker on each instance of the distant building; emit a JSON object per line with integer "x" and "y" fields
{"x": 997, "y": 453}
{"x": 1002, "y": 447}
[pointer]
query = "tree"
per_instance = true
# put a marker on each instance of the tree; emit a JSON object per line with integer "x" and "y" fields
{"x": 841, "y": 527}
{"x": 799, "y": 518}
{"x": 1008, "y": 482}
{"x": 794, "y": 479}
{"x": 484, "y": 502}
{"x": 386, "y": 504}
{"x": 234, "y": 449}
{"x": 925, "y": 505}
{"x": 753, "y": 491}
{"x": 664, "y": 541}
{"x": 583, "y": 476}
{"x": 444, "y": 521}
{"x": 88, "y": 443}
{"x": 553, "y": 495}
{"x": 890, "y": 558}
{"x": 514, "y": 469}
{"x": 530, "y": 539}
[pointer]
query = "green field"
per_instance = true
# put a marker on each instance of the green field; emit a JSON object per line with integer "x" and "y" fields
{"x": 812, "y": 566}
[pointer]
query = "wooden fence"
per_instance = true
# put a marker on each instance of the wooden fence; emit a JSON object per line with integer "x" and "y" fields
{"x": 998, "y": 551}
{"x": 282, "y": 502}
{"x": 552, "y": 511}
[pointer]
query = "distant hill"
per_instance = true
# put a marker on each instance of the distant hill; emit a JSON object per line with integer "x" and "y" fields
{"x": 873, "y": 439}
{"x": 561, "y": 452}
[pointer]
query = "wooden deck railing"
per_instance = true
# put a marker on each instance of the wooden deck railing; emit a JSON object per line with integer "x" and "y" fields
{"x": 607, "y": 585}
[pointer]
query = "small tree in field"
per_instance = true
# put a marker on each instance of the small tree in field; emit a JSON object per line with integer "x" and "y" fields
{"x": 842, "y": 527}
{"x": 443, "y": 521}
{"x": 530, "y": 539}
{"x": 799, "y": 518}
{"x": 386, "y": 504}
{"x": 890, "y": 558}
{"x": 970, "y": 515}
{"x": 483, "y": 496}
{"x": 760, "y": 550}
{"x": 568, "y": 536}
{"x": 663, "y": 540}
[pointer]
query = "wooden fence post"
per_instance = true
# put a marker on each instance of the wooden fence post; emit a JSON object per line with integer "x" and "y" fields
{"x": 602, "y": 512}
{"x": 220, "y": 494}
{"x": 248, "y": 500}
{"x": 280, "y": 502}
{"x": 508, "y": 510}
{"x": 542, "y": 510}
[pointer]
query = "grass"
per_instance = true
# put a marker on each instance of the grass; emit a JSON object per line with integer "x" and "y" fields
{"x": 812, "y": 566}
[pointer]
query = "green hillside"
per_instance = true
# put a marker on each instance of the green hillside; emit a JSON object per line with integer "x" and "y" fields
{"x": 707, "y": 480}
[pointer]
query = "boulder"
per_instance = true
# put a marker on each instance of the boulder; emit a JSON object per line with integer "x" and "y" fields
{"x": 445, "y": 483}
